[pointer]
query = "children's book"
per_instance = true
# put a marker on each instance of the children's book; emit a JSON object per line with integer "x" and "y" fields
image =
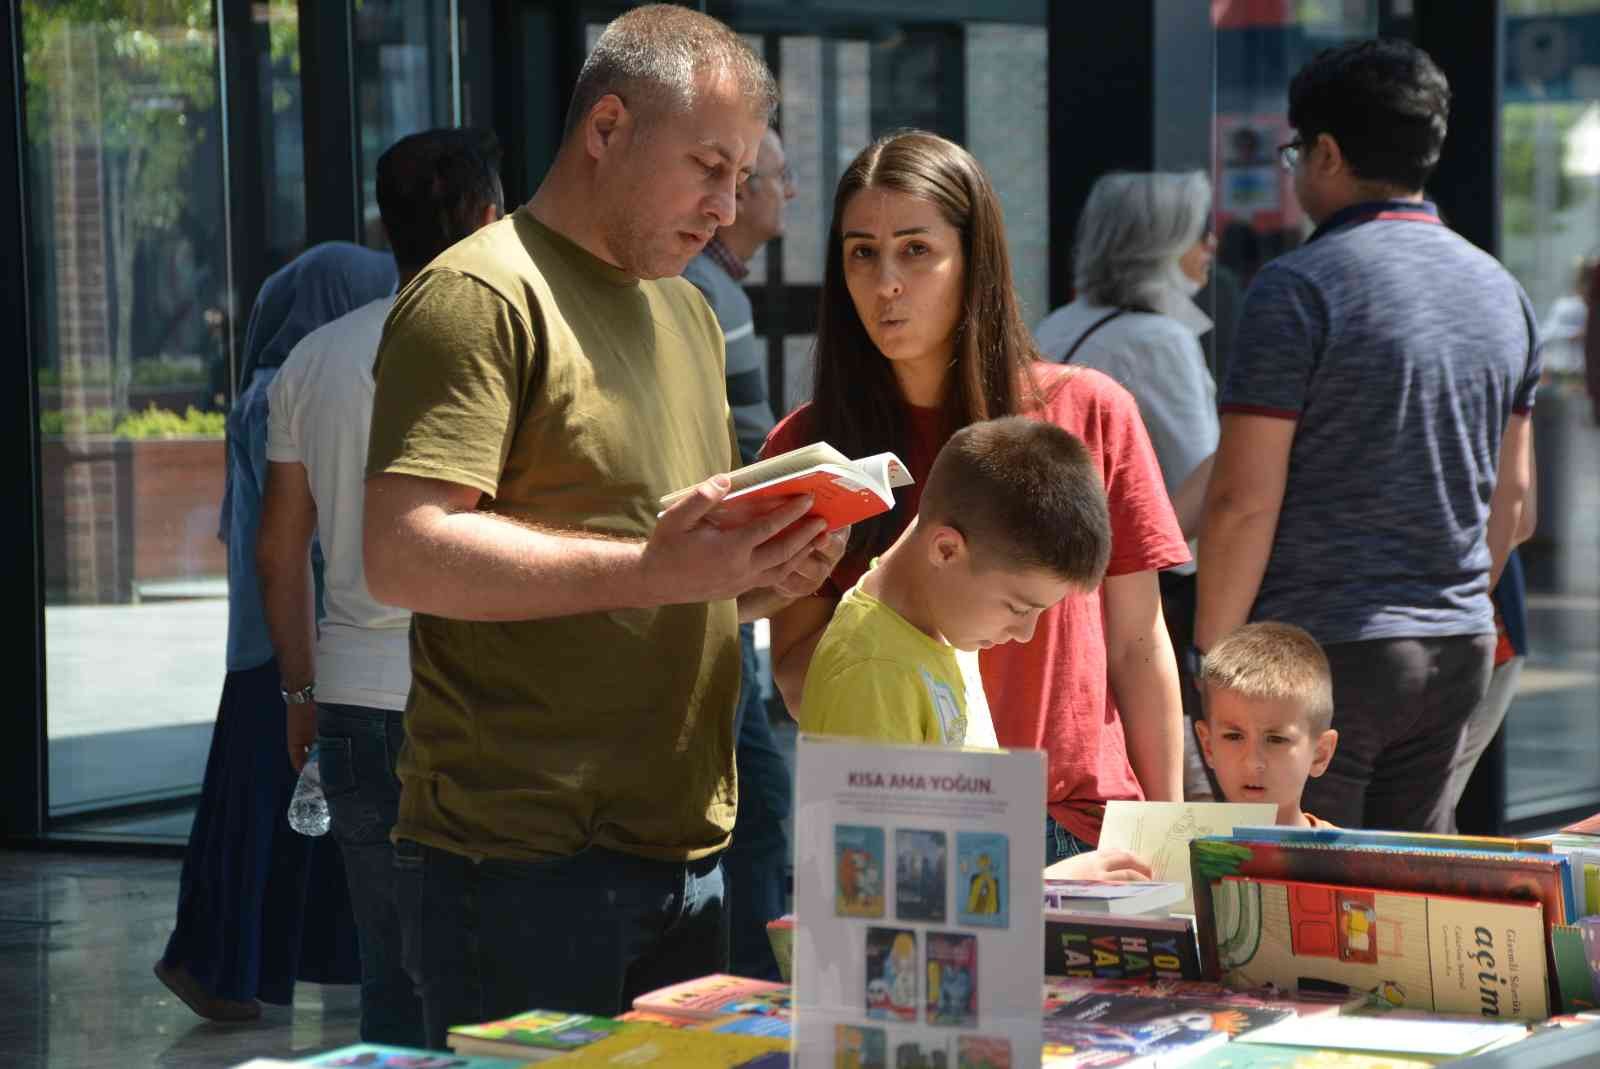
{"x": 1389, "y": 1035}
{"x": 843, "y": 491}
{"x": 859, "y": 861}
{"x": 1195, "y": 1015}
{"x": 1062, "y": 989}
{"x": 920, "y": 869}
{"x": 937, "y": 977}
{"x": 1460, "y": 873}
{"x": 1263, "y": 1056}
{"x": 1159, "y": 1032}
{"x": 1160, "y": 833}
{"x": 983, "y": 879}
{"x": 673, "y": 1048}
{"x": 1109, "y": 896}
{"x": 1368, "y": 837}
{"x": 717, "y": 995}
{"x": 743, "y": 1024}
{"x": 1108, "y": 947}
{"x": 527, "y": 1034}
{"x": 1586, "y": 826}
{"x": 1584, "y": 852}
{"x": 1430, "y": 952}
{"x": 374, "y": 1056}
{"x": 952, "y": 979}
{"x": 780, "y": 933}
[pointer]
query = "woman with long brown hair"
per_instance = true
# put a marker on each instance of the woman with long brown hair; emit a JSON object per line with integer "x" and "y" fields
{"x": 920, "y": 334}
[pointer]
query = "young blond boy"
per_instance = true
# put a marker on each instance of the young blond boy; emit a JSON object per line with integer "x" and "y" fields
{"x": 1267, "y": 693}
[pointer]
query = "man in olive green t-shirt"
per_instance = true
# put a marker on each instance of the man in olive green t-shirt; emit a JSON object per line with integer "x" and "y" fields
{"x": 568, "y": 778}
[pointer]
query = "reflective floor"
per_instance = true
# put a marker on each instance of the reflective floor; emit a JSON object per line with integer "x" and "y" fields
{"x": 78, "y": 934}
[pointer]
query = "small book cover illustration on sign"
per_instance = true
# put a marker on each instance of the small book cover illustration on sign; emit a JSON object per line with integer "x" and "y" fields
{"x": 983, "y": 1052}
{"x": 858, "y": 859}
{"x": 860, "y": 1047}
{"x": 982, "y": 879}
{"x": 892, "y": 967}
{"x": 919, "y": 875}
{"x": 952, "y": 979}
{"x": 843, "y": 491}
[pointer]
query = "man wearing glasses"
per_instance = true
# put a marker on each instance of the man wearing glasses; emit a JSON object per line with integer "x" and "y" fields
{"x": 1375, "y": 461}
{"x": 756, "y": 863}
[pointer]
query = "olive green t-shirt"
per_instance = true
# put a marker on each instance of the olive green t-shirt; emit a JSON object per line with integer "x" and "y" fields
{"x": 573, "y": 396}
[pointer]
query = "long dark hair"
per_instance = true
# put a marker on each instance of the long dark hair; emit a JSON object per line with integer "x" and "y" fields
{"x": 856, "y": 402}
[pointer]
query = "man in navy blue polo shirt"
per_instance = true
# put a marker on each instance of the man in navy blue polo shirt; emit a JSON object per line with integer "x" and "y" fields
{"x": 1376, "y": 459}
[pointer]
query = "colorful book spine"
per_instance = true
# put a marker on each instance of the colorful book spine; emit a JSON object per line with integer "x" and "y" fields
{"x": 1098, "y": 947}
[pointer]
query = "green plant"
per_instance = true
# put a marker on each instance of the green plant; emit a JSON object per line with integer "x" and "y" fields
{"x": 156, "y": 422}
{"x": 77, "y": 421}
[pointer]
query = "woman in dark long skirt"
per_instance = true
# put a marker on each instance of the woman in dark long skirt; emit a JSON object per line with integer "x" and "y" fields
{"x": 259, "y": 905}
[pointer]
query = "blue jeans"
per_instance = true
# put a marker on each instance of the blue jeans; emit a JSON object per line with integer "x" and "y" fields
{"x": 1060, "y": 844}
{"x": 357, "y": 748}
{"x": 582, "y": 934}
{"x": 756, "y": 864}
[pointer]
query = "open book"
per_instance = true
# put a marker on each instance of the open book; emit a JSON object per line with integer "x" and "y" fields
{"x": 843, "y": 491}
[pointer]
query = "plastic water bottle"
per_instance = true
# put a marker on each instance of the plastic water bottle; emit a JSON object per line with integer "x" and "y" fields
{"x": 308, "y": 809}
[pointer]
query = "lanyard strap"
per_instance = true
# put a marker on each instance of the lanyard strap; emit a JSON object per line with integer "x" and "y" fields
{"x": 1384, "y": 211}
{"x": 1096, "y": 325}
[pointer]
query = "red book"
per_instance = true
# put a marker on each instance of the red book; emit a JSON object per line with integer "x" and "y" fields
{"x": 843, "y": 491}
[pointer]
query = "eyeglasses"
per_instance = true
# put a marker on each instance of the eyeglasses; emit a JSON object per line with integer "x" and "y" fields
{"x": 1289, "y": 154}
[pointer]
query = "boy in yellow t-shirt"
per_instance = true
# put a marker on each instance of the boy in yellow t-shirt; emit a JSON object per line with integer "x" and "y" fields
{"x": 1013, "y": 516}
{"x": 1268, "y": 699}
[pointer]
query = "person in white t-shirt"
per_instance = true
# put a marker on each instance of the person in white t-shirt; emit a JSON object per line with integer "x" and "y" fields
{"x": 346, "y": 685}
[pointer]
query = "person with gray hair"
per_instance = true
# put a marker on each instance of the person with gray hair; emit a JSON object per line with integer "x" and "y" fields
{"x": 567, "y": 781}
{"x": 1144, "y": 247}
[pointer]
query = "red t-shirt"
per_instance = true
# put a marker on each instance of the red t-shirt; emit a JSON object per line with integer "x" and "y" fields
{"x": 1051, "y": 693}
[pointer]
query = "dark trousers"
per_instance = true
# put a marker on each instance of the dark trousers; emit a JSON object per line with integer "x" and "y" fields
{"x": 582, "y": 934}
{"x": 1399, "y": 706}
{"x": 1060, "y": 844}
{"x": 756, "y": 864}
{"x": 357, "y": 748}
{"x": 259, "y": 905}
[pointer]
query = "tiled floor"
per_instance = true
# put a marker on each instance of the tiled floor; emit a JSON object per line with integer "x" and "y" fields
{"x": 78, "y": 934}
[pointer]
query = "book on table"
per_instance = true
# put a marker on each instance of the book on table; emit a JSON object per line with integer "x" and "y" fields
{"x": 1106, "y": 946}
{"x": 718, "y": 995}
{"x": 1430, "y": 952}
{"x": 843, "y": 491}
{"x": 532, "y": 1035}
{"x": 1109, "y": 896}
{"x": 377, "y": 1056}
{"x": 677, "y": 1048}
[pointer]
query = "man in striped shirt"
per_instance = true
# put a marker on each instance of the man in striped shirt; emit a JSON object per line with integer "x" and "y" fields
{"x": 756, "y": 864}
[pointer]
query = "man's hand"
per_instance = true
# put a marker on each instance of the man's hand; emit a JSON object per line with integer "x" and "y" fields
{"x": 301, "y": 728}
{"x": 689, "y": 559}
{"x": 1105, "y": 864}
{"x": 815, "y": 566}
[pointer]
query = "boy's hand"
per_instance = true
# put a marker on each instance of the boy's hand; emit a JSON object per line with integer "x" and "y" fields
{"x": 1108, "y": 864}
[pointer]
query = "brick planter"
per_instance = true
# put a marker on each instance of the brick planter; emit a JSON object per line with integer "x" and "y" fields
{"x": 118, "y": 513}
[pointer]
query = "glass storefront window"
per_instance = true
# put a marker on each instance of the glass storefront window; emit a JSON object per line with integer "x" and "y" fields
{"x": 1550, "y": 224}
{"x": 405, "y": 74}
{"x": 124, "y": 147}
{"x": 276, "y": 26}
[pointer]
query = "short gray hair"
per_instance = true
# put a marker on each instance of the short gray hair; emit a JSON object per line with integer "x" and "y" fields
{"x": 1132, "y": 231}
{"x": 652, "y": 56}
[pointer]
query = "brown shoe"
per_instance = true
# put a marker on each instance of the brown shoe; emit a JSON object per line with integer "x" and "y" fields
{"x": 183, "y": 984}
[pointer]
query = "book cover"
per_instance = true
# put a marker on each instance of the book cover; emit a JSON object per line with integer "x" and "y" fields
{"x": 858, "y": 860}
{"x": 1137, "y": 1028}
{"x": 1109, "y": 947}
{"x": 536, "y": 1030}
{"x": 1390, "y": 1035}
{"x": 1160, "y": 833}
{"x": 718, "y": 995}
{"x": 920, "y": 869}
{"x": 375, "y": 1056}
{"x": 892, "y": 968}
{"x": 1195, "y": 1014}
{"x": 1109, "y": 896}
{"x": 952, "y": 985}
{"x": 1264, "y": 1056}
{"x": 1586, "y": 826}
{"x": 672, "y": 1048}
{"x": 983, "y": 879}
{"x": 961, "y": 908}
{"x": 1430, "y": 952}
{"x": 1368, "y": 837}
{"x": 1462, "y": 873}
{"x": 1059, "y": 990}
{"x": 983, "y": 1052}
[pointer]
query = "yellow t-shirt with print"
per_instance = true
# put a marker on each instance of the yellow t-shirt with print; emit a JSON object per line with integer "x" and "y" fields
{"x": 875, "y": 675}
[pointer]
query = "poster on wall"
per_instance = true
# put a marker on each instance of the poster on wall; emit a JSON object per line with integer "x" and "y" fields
{"x": 918, "y": 873}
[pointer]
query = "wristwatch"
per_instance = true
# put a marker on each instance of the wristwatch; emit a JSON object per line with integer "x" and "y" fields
{"x": 304, "y": 696}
